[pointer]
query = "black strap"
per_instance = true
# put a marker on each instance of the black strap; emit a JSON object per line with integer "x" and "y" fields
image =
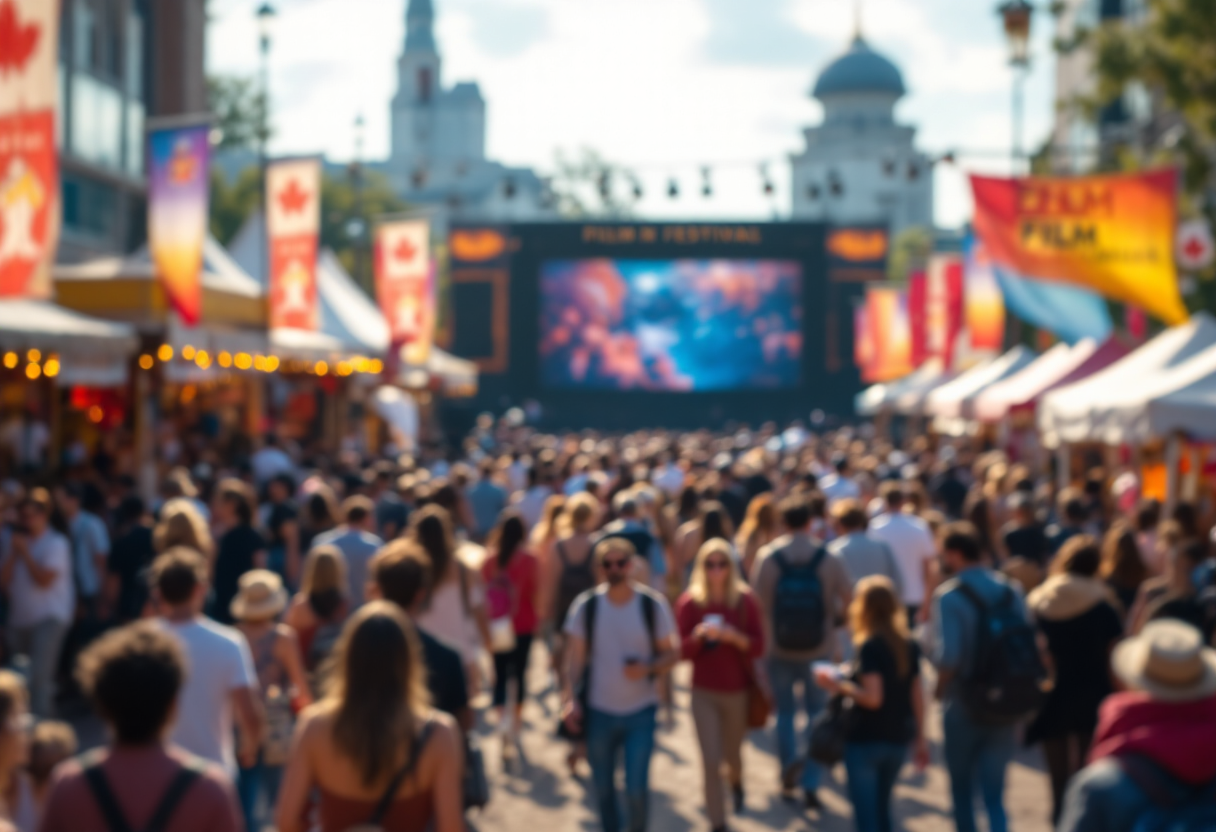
{"x": 783, "y": 565}
{"x": 561, "y": 554}
{"x": 386, "y": 800}
{"x": 648, "y": 615}
{"x": 99, "y": 785}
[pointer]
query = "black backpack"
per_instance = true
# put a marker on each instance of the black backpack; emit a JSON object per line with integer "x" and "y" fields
{"x": 115, "y": 820}
{"x": 799, "y": 608}
{"x": 1006, "y": 682}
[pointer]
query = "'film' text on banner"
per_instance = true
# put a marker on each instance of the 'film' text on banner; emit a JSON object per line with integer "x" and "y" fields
{"x": 293, "y": 224}
{"x": 1112, "y": 234}
{"x": 29, "y": 176}
{"x": 178, "y": 159}
{"x": 405, "y": 286}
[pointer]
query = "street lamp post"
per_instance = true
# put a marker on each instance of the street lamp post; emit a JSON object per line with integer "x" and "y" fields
{"x": 357, "y": 227}
{"x": 1017, "y": 16}
{"x": 265, "y": 18}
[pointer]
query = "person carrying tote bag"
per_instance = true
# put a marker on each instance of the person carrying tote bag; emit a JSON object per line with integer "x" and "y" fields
{"x": 721, "y": 634}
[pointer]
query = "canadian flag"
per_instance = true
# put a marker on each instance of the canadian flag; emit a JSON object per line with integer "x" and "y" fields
{"x": 403, "y": 278}
{"x": 29, "y": 177}
{"x": 293, "y": 223}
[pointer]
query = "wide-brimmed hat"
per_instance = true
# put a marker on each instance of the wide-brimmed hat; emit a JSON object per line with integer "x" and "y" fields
{"x": 1168, "y": 661}
{"x": 261, "y": 595}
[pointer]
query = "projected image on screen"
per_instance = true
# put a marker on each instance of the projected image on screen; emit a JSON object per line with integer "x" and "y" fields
{"x": 671, "y": 325}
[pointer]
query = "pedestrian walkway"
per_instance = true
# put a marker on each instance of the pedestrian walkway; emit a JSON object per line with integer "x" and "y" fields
{"x": 538, "y": 794}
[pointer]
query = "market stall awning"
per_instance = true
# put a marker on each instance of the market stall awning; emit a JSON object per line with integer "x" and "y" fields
{"x": 90, "y": 351}
{"x": 1079, "y": 412}
{"x": 400, "y": 412}
{"x": 954, "y": 402}
{"x": 127, "y": 289}
{"x": 882, "y": 397}
{"x": 993, "y": 404}
{"x": 455, "y": 377}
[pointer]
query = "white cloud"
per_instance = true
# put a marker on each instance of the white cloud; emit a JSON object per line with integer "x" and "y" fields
{"x": 631, "y": 79}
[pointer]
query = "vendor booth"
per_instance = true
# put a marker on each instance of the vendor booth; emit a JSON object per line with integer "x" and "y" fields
{"x": 952, "y": 405}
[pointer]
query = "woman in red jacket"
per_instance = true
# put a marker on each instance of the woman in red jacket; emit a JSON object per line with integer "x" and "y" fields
{"x": 721, "y": 634}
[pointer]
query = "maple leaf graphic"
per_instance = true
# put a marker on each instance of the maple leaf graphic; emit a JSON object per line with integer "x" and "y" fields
{"x": 405, "y": 250}
{"x": 293, "y": 198}
{"x": 17, "y": 42}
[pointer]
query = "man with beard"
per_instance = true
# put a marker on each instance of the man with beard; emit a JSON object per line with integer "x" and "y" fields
{"x": 620, "y": 639}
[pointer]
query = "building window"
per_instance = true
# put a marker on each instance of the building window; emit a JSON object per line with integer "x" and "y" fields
{"x": 424, "y": 85}
{"x": 89, "y": 207}
{"x": 97, "y": 116}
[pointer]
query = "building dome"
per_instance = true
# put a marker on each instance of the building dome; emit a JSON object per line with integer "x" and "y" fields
{"x": 859, "y": 70}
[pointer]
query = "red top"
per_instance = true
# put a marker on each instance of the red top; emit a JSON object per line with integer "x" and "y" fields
{"x": 722, "y": 668}
{"x": 523, "y": 576}
{"x": 407, "y": 814}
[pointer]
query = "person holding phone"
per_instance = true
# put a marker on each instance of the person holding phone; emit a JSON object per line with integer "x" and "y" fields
{"x": 722, "y": 636}
{"x": 888, "y": 702}
{"x": 621, "y": 634}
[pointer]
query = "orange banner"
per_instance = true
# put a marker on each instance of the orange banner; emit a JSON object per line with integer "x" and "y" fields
{"x": 293, "y": 224}
{"x": 890, "y": 334}
{"x": 29, "y": 171}
{"x": 405, "y": 285}
{"x": 1112, "y": 234}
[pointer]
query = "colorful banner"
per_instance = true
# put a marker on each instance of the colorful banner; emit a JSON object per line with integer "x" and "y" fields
{"x": 983, "y": 304}
{"x": 178, "y": 158}
{"x": 863, "y": 341}
{"x": 293, "y": 224}
{"x": 29, "y": 174}
{"x": 917, "y": 286}
{"x": 890, "y": 333}
{"x": 1112, "y": 234}
{"x": 405, "y": 285}
{"x": 943, "y": 307}
{"x": 1069, "y": 312}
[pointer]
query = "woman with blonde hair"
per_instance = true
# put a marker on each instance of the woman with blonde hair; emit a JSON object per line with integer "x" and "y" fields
{"x": 553, "y": 522}
{"x": 888, "y": 701}
{"x": 182, "y": 524}
{"x": 373, "y": 750}
{"x": 319, "y": 609}
{"x": 721, "y": 634}
{"x": 758, "y": 529}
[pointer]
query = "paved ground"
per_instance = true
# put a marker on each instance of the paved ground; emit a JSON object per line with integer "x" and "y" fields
{"x": 538, "y": 794}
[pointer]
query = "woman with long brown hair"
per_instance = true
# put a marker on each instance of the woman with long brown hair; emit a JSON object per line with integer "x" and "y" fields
{"x": 758, "y": 529}
{"x": 373, "y": 749}
{"x": 889, "y": 703}
{"x": 1123, "y": 567}
{"x": 553, "y": 522}
{"x": 711, "y": 524}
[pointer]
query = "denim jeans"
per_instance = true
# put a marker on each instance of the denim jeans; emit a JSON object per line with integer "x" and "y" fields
{"x": 40, "y": 643}
{"x": 976, "y": 756}
{"x": 608, "y": 737}
{"x": 254, "y": 782}
{"x": 873, "y": 768}
{"x": 783, "y": 676}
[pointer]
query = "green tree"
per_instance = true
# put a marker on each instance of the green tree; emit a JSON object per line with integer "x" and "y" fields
{"x": 233, "y": 202}
{"x": 238, "y": 106}
{"x": 588, "y": 185}
{"x": 348, "y": 216}
{"x": 910, "y": 251}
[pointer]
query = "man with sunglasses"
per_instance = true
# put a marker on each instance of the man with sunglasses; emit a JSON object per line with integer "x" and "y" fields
{"x": 620, "y": 639}
{"x": 37, "y": 575}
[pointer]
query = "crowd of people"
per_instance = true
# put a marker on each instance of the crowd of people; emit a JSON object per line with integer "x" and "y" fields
{"x": 311, "y": 643}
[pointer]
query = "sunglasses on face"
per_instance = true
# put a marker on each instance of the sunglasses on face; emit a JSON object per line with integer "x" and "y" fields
{"x": 615, "y": 563}
{"x": 716, "y": 564}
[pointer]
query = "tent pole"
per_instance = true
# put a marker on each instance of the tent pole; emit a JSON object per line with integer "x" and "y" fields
{"x": 1173, "y": 459}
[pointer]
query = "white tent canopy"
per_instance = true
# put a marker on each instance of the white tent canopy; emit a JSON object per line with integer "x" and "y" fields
{"x": 956, "y": 399}
{"x": 1097, "y": 408}
{"x": 880, "y": 397}
{"x": 992, "y": 404}
{"x": 400, "y": 412}
{"x": 91, "y": 351}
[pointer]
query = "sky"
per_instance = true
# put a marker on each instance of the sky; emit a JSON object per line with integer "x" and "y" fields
{"x": 666, "y": 87}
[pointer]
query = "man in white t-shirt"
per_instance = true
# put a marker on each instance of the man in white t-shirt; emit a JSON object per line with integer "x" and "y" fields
{"x": 270, "y": 461}
{"x": 221, "y": 685}
{"x": 837, "y": 485}
{"x": 632, "y": 643}
{"x": 37, "y": 575}
{"x": 912, "y": 544}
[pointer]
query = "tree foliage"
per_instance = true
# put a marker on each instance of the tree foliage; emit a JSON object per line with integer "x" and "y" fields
{"x": 238, "y": 106}
{"x": 588, "y": 185}
{"x": 910, "y": 251}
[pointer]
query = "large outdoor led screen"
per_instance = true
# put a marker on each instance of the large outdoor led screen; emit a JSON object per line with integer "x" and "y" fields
{"x": 671, "y": 325}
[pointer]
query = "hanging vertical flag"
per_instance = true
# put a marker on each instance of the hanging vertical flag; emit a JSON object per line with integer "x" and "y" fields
{"x": 29, "y": 175}
{"x": 916, "y": 317}
{"x": 890, "y": 332}
{"x": 943, "y": 307}
{"x": 983, "y": 303}
{"x": 405, "y": 285}
{"x": 293, "y": 224}
{"x": 863, "y": 341}
{"x": 178, "y": 158}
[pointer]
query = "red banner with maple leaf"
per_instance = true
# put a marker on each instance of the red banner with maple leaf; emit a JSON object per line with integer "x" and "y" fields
{"x": 29, "y": 170}
{"x": 405, "y": 285}
{"x": 293, "y": 225}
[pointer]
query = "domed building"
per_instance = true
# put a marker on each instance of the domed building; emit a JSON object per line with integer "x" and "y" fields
{"x": 859, "y": 165}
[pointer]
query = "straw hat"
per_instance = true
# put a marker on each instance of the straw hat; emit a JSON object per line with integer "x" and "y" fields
{"x": 1168, "y": 661}
{"x": 261, "y": 595}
